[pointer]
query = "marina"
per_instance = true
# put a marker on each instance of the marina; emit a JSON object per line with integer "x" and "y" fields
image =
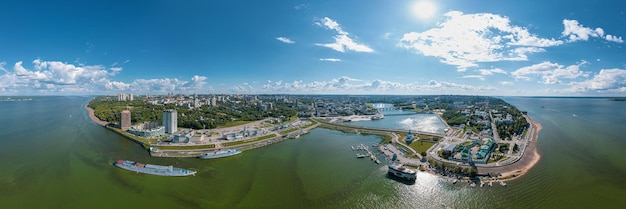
{"x": 370, "y": 154}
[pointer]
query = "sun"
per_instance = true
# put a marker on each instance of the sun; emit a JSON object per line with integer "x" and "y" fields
{"x": 424, "y": 9}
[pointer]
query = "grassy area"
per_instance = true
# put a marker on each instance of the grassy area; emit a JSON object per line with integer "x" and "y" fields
{"x": 248, "y": 140}
{"x": 421, "y": 146}
{"x": 411, "y": 155}
{"x": 207, "y": 146}
{"x": 141, "y": 140}
{"x": 386, "y": 139}
{"x": 234, "y": 123}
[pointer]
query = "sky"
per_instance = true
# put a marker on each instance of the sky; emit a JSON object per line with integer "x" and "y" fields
{"x": 400, "y": 47}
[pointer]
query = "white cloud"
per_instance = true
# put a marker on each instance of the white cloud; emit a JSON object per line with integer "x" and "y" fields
{"x": 55, "y": 77}
{"x": 491, "y": 71}
{"x": 550, "y": 73}
{"x": 342, "y": 41}
{"x": 606, "y": 80}
{"x": 614, "y": 38}
{"x": 506, "y": 83}
{"x": 330, "y": 59}
{"x": 482, "y": 78}
{"x": 348, "y": 85}
{"x": 575, "y": 31}
{"x": 285, "y": 40}
{"x": 466, "y": 39}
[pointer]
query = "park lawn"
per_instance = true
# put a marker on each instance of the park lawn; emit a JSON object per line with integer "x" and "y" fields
{"x": 421, "y": 146}
{"x": 234, "y": 123}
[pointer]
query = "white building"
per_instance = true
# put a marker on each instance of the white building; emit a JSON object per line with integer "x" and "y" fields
{"x": 170, "y": 121}
{"x": 125, "y": 97}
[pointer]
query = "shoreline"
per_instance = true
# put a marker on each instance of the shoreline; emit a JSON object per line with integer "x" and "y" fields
{"x": 93, "y": 117}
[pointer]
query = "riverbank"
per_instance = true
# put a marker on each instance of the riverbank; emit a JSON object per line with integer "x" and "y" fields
{"x": 93, "y": 117}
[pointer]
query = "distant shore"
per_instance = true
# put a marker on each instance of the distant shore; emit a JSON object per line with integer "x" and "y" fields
{"x": 94, "y": 118}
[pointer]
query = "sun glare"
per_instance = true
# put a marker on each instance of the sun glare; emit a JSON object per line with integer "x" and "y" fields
{"x": 424, "y": 9}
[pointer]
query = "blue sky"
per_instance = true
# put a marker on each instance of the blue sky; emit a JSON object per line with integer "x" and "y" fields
{"x": 475, "y": 47}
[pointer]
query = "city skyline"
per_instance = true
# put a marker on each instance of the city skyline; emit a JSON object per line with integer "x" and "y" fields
{"x": 509, "y": 48}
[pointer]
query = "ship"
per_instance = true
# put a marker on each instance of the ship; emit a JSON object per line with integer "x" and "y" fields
{"x": 158, "y": 170}
{"x": 219, "y": 154}
{"x": 402, "y": 172}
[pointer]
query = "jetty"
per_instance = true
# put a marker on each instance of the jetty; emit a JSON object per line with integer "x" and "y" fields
{"x": 369, "y": 153}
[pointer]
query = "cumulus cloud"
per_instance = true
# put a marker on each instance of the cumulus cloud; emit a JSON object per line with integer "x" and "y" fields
{"x": 550, "y": 73}
{"x": 491, "y": 71}
{"x": 330, "y": 59}
{"x": 342, "y": 41}
{"x": 285, "y": 40}
{"x": 55, "y": 77}
{"x": 464, "y": 40}
{"x": 575, "y": 31}
{"x": 348, "y": 85}
{"x": 506, "y": 83}
{"x": 605, "y": 80}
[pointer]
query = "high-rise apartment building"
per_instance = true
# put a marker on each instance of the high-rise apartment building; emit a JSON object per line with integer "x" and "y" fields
{"x": 170, "y": 121}
{"x": 125, "y": 120}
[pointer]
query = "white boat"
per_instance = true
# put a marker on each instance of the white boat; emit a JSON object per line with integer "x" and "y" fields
{"x": 400, "y": 171}
{"x": 502, "y": 183}
{"x": 219, "y": 154}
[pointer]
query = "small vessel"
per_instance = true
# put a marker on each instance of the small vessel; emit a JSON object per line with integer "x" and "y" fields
{"x": 502, "y": 183}
{"x": 377, "y": 161}
{"x": 482, "y": 184}
{"x": 455, "y": 180}
{"x": 399, "y": 170}
{"x": 219, "y": 154}
{"x": 490, "y": 184}
{"x": 158, "y": 170}
{"x": 361, "y": 155}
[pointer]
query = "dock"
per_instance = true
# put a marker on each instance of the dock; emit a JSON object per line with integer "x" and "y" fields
{"x": 361, "y": 147}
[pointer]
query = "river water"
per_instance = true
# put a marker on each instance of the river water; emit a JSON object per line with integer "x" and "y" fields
{"x": 53, "y": 156}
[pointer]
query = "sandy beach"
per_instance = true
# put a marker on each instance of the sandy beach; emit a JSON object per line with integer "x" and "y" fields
{"x": 94, "y": 118}
{"x": 528, "y": 160}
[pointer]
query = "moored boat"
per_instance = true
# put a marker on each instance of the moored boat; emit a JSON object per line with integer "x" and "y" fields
{"x": 400, "y": 171}
{"x": 158, "y": 170}
{"x": 219, "y": 154}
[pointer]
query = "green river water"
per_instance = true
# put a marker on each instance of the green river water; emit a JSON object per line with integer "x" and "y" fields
{"x": 53, "y": 156}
